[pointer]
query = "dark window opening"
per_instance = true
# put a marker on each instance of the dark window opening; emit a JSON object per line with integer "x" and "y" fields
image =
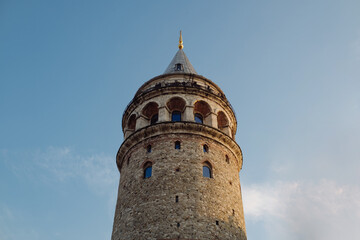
{"x": 128, "y": 160}
{"x": 217, "y": 222}
{"x": 178, "y": 224}
{"x": 198, "y": 118}
{"x": 177, "y": 199}
{"x": 147, "y": 172}
{"x": 206, "y": 172}
{"x": 230, "y": 183}
{"x": 176, "y": 116}
{"x": 148, "y": 148}
{"x": 227, "y": 159}
{"x": 233, "y": 212}
{"x": 205, "y": 148}
{"x": 154, "y": 119}
{"x": 178, "y": 169}
{"x": 177, "y": 145}
{"x": 178, "y": 67}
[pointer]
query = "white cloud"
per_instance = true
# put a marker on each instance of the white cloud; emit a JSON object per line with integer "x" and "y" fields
{"x": 299, "y": 210}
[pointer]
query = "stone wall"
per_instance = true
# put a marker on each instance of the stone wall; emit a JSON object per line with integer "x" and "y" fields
{"x": 207, "y": 208}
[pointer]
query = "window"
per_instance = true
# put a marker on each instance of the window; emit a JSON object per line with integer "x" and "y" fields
{"x": 227, "y": 159}
{"x": 217, "y": 222}
{"x": 176, "y": 116}
{"x": 148, "y": 148}
{"x": 177, "y": 145}
{"x": 177, "y": 199}
{"x": 154, "y": 119}
{"x": 147, "y": 170}
{"x": 150, "y": 112}
{"x": 205, "y": 148}
{"x": 178, "y": 67}
{"x": 198, "y": 118}
{"x": 206, "y": 172}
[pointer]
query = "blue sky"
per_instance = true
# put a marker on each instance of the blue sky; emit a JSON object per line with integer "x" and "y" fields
{"x": 290, "y": 69}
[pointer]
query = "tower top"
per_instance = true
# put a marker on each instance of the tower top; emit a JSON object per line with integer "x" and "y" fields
{"x": 180, "y": 63}
{"x": 181, "y": 46}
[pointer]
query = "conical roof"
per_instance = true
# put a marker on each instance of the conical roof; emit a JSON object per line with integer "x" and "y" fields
{"x": 180, "y": 64}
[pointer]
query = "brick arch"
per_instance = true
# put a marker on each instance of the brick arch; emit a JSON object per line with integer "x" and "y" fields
{"x": 146, "y": 163}
{"x": 222, "y": 120}
{"x": 202, "y": 107}
{"x": 131, "y": 124}
{"x": 150, "y": 109}
{"x": 208, "y": 163}
{"x": 176, "y": 104}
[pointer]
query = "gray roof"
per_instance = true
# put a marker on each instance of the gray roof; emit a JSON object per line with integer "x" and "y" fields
{"x": 180, "y": 58}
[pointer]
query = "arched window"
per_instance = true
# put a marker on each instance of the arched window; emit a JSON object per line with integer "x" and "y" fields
{"x": 151, "y": 111}
{"x": 176, "y": 106}
{"x": 205, "y": 148}
{"x": 207, "y": 170}
{"x": 222, "y": 120}
{"x": 202, "y": 112}
{"x": 176, "y": 116}
{"x": 148, "y": 148}
{"x": 147, "y": 170}
{"x": 177, "y": 145}
{"x": 154, "y": 119}
{"x": 198, "y": 118}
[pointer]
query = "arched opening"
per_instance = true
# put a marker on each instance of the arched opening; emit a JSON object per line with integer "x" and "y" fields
{"x": 147, "y": 170}
{"x": 132, "y": 122}
{"x": 176, "y": 106}
{"x": 207, "y": 170}
{"x": 222, "y": 120}
{"x": 151, "y": 112}
{"x": 223, "y": 123}
{"x": 202, "y": 112}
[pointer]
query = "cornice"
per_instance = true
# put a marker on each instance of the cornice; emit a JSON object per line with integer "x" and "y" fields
{"x": 165, "y": 128}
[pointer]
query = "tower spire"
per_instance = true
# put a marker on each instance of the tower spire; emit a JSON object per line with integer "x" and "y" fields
{"x": 181, "y": 46}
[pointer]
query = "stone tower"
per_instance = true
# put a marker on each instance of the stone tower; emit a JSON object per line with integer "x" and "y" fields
{"x": 179, "y": 162}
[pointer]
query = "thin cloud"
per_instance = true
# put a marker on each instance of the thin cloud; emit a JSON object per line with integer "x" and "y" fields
{"x": 9, "y": 225}
{"x": 98, "y": 171}
{"x": 304, "y": 210}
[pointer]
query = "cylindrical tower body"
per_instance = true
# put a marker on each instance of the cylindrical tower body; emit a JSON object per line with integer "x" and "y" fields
{"x": 179, "y": 162}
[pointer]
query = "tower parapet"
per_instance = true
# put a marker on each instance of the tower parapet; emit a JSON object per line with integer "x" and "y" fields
{"x": 179, "y": 161}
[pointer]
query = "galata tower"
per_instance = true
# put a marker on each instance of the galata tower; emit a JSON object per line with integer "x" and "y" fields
{"x": 179, "y": 163}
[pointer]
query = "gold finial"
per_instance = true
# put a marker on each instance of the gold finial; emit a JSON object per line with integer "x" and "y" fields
{"x": 181, "y": 46}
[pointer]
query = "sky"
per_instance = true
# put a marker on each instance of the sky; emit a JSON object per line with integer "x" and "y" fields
{"x": 289, "y": 68}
